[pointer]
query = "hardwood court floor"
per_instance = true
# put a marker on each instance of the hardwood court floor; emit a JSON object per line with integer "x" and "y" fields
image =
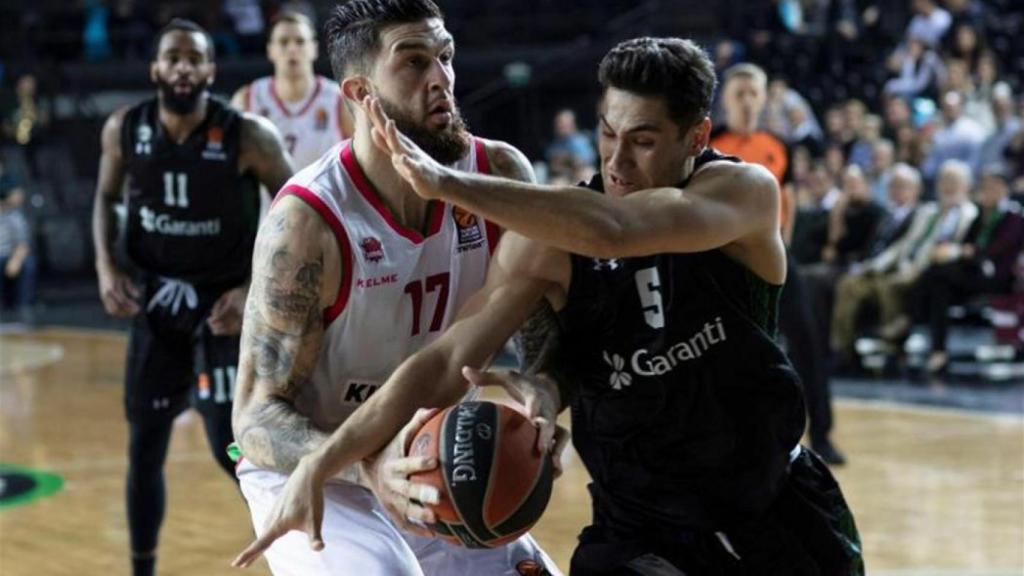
{"x": 935, "y": 492}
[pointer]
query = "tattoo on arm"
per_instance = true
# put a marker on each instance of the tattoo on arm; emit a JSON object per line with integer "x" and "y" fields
{"x": 538, "y": 344}
{"x": 281, "y": 341}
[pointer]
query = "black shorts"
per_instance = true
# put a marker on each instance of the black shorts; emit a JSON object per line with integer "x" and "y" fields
{"x": 173, "y": 359}
{"x": 808, "y": 531}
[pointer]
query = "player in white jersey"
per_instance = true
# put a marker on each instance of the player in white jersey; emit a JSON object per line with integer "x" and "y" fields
{"x": 352, "y": 274}
{"x": 306, "y": 108}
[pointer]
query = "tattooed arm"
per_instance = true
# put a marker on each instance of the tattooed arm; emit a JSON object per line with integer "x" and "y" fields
{"x": 296, "y": 272}
{"x": 537, "y": 345}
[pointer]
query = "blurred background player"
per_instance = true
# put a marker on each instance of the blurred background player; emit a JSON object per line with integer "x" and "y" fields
{"x": 307, "y": 109}
{"x": 188, "y": 168}
{"x": 744, "y": 96}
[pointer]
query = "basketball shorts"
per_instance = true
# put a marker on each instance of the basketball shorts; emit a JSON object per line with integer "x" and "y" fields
{"x": 361, "y": 540}
{"x": 173, "y": 358}
{"x": 808, "y": 531}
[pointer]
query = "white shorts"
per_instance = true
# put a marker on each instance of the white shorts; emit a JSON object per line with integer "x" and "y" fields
{"x": 360, "y": 539}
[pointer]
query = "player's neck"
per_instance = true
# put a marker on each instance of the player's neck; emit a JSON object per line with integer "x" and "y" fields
{"x": 179, "y": 126}
{"x": 294, "y": 88}
{"x": 409, "y": 209}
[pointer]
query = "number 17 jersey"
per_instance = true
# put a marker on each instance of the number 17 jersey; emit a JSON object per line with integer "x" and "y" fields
{"x": 400, "y": 288}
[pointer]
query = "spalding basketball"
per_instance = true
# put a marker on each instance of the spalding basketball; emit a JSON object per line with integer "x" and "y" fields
{"x": 493, "y": 484}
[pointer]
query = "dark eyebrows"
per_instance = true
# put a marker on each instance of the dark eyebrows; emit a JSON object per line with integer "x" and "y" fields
{"x": 409, "y": 45}
{"x": 643, "y": 127}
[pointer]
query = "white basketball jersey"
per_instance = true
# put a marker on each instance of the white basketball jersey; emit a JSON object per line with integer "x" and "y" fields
{"x": 310, "y": 126}
{"x": 400, "y": 289}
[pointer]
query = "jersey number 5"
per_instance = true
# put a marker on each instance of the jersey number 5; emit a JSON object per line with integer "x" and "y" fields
{"x": 415, "y": 291}
{"x": 648, "y": 284}
{"x": 176, "y": 196}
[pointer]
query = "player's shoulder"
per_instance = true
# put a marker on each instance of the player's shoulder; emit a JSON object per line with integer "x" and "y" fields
{"x": 321, "y": 176}
{"x": 506, "y": 160}
{"x": 737, "y": 176}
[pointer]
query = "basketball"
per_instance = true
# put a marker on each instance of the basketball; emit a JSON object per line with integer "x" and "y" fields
{"x": 494, "y": 485}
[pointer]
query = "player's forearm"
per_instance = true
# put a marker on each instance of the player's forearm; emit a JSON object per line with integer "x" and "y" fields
{"x": 569, "y": 218}
{"x": 426, "y": 380}
{"x": 538, "y": 345}
{"x": 274, "y": 436}
{"x": 104, "y": 229}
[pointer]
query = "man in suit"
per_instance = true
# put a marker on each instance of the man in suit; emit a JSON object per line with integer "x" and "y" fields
{"x": 886, "y": 277}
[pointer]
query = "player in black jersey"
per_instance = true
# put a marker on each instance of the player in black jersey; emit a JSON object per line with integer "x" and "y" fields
{"x": 187, "y": 169}
{"x": 666, "y": 274}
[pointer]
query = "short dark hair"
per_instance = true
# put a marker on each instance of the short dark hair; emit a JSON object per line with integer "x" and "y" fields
{"x": 353, "y": 30}
{"x": 676, "y": 69}
{"x": 184, "y": 25}
{"x": 291, "y": 17}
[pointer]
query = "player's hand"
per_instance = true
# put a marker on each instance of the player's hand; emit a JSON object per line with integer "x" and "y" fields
{"x": 424, "y": 173}
{"x": 118, "y": 292}
{"x": 300, "y": 506}
{"x": 387, "y": 475}
{"x": 539, "y": 396}
{"x": 226, "y": 315}
{"x": 13, "y": 267}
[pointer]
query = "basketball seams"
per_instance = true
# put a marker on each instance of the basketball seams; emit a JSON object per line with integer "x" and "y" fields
{"x": 491, "y": 476}
{"x": 537, "y": 474}
{"x": 448, "y": 486}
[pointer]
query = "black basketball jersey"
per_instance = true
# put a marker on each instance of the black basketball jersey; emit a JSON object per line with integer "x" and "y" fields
{"x": 191, "y": 215}
{"x": 686, "y": 410}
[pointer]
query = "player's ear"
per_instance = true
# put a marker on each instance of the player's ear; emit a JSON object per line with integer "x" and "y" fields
{"x": 701, "y": 136}
{"x": 355, "y": 88}
{"x": 213, "y": 74}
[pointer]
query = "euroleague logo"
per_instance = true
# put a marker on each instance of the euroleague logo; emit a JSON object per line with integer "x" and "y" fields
{"x": 373, "y": 250}
{"x": 468, "y": 227}
{"x": 214, "y": 145}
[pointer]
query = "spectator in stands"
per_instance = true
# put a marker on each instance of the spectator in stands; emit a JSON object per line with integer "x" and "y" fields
{"x": 918, "y": 69}
{"x": 838, "y": 131}
{"x": 572, "y": 151}
{"x": 964, "y": 44}
{"x": 17, "y": 265}
{"x": 897, "y": 115}
{"x": 886, "y": 277}
{"x": 26, "y": 122}
{"x": 863, "y": 149}
{"x": 904, "y": 192}
{"x": 883, "y": 157}
{"x": 977, "y": 105}
{"x": 930, "y": 22}
{"x": 1007, "y": 125}
{"x": 960, "y": 138}
{"x": 788, "y": 115}
{"x": 249, "y": 24}
{"x": 853, "y": 222}
{"x": 982, "y": 265}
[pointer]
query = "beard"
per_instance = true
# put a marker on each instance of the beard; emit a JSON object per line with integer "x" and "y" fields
{"x": 447, "y": 146}
{"x": 179, "y": 103}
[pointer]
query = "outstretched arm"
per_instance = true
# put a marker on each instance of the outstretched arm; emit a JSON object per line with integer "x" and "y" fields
{"x": 722, "y": 204}
{"x": 295, "y": 272}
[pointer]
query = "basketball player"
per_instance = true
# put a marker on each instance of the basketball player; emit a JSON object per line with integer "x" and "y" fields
{"x": 307, "y": 109}
{"x": 192, "y": 167}
{"x": 685, "y": 412}
{"x": 745, "y": 93}
{"x": 353, "y": 273}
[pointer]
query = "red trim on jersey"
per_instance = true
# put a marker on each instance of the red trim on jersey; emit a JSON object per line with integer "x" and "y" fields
{"x": 355, "y": 172}
{"x": 344, "y": 246}
{"x": 483, "y": 166}
{"x": 305, "y": 107}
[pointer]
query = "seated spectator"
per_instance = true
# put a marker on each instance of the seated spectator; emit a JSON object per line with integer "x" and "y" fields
{"x": 1007, "y": 125}
{"x": 816, "y": 194}
{"x": 904, "y": 193}
{"x": 788, "y": 115}
{"x": 571, "y": 152}
{"x": 983, "y": 264}
{"x": 918, "y": 68}
{"x": 960, "y": 137}
{"x": 868, "y": 134}
{"x": 976, "y": 104}
{"x": 852, "y": 222}
{"x": 17, "y": 266}
{"x": 886, "y": 277}
{"x": 883, "y": 157}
